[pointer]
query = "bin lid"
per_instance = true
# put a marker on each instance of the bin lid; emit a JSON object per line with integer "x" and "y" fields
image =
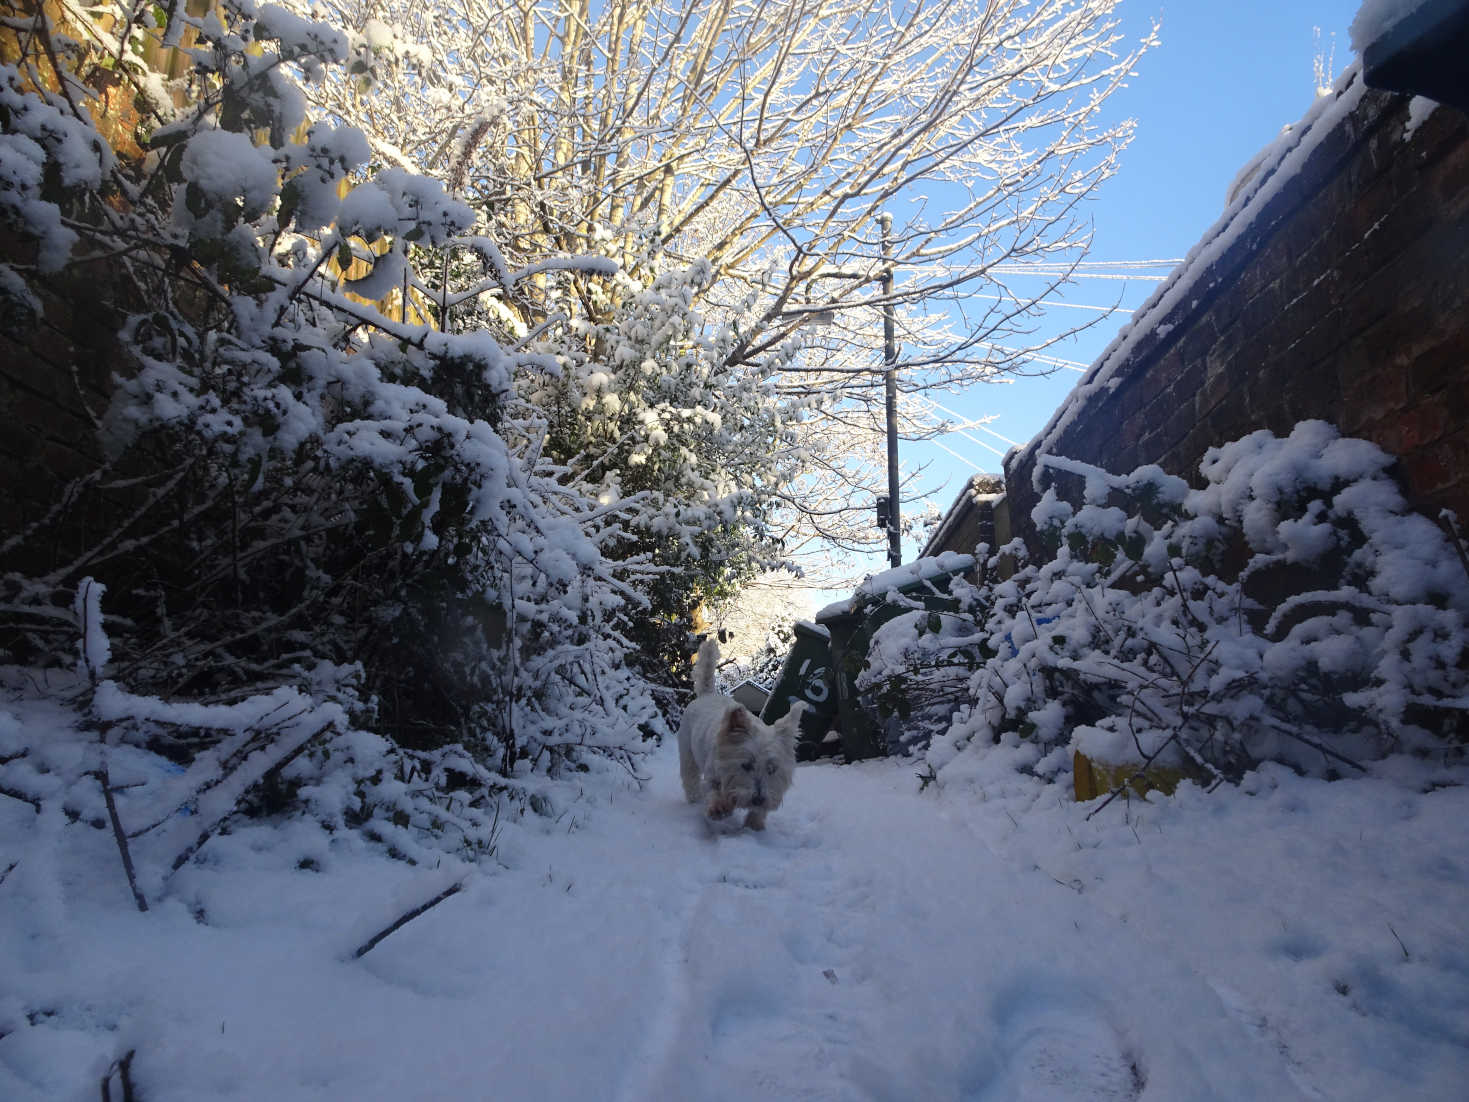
{"x": 908, "y": 578}
{"x": 812, "y": 631}
{"x": 752, "y": 695}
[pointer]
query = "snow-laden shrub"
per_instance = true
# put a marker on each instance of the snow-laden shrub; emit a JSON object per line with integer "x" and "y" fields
{"x": 166, "y": 777}
{"x": 47, "y": 155}
{"x": 1293, "y": 609}
{"x": 305, "y": 467}
{"x": 907, "y": 647}
{"x": 916, "y": 674}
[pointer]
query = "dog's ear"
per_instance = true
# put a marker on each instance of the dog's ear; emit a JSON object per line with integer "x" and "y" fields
{"x": 790, "y": 723}
{"x": 739, "y": 724}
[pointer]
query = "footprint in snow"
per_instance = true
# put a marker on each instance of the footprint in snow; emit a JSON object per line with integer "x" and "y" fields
{"x": 1055, "y": 1043}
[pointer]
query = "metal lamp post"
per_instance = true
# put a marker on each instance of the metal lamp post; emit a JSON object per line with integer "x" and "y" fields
{"x": 890, "y": 385}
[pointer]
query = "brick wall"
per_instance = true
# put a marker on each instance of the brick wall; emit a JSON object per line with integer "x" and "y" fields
{"x": 1340, "y": 291}
{"x": 970, "y": 521}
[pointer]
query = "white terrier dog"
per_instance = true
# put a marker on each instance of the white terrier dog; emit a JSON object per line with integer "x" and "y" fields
{"x": 727, "y": 757}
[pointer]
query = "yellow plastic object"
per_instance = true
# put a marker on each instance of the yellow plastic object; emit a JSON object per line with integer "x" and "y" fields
{"x": 1093, "y": 779}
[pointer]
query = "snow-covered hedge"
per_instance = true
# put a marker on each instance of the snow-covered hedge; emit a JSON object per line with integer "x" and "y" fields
{"x": 1294, "y": 609}
{"x": 167, "y": 777}
{"x": 327, "y": 448}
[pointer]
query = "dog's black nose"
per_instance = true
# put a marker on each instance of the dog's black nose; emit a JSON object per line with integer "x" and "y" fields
{"x": 757, "y": 801}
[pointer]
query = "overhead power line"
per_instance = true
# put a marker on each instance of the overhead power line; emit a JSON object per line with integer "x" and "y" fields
{"x": 969, "y": 423}
{"x": 964, "y": 458}
{"x": 1040, "y": 357}
{"x": 1055, "y": 302}
{"x": 1082, "y": 264}
{"x": 1061, "y": 273}
{"x": 959, "y": 430}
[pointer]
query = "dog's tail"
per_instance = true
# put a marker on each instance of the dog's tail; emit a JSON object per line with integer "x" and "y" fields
{"x": 704, "y": 664}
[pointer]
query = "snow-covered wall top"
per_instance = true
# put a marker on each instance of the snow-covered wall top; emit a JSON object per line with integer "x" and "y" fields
{"x": 1332, "y": 287}
{"x": 1274, "y": 169}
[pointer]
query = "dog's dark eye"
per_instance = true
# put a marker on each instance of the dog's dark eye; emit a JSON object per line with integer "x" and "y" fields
{"x": 770, "y": 767}
{"x": 748, "y": 767}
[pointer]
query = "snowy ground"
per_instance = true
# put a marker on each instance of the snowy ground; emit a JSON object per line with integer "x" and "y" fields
{"x": 975, "y": 941}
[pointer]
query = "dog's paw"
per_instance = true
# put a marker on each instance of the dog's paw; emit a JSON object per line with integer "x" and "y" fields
{"x": 755, "y": 820}
{"x": 720, "y": 807}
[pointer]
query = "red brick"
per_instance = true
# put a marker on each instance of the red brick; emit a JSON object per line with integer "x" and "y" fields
{"x": 1178, "y": 422}
{"x": 1385, "y": 432}
{"x": 1367, "y": 396}
{"x": 1129, "y": 432}
{"x": 1195, "y": 341}
{"x": 29, "y": 411}
{"x": 1217, "y": 388}
{"x": 1448, "y": 180}
{"x": 1151, "y": 383}
{"x": 1429, "y": 469}
{"x": 1422, "y": 424}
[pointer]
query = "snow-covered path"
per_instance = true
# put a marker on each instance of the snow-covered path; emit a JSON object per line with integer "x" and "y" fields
{"x": 868, "y": 946}
{"x": 979, "y": 942}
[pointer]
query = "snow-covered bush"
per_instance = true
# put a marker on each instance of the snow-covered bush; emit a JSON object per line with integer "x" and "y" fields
{"x": 916, "y": 674}
{"x": 305, "y": 469}
{"x": 166, "y": 777}
{"x": 1294, "y": 609}
{"x": 905, "y": 646}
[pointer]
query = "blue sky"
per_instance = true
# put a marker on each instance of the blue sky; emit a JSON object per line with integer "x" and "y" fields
{"x": 1225, "y": 79}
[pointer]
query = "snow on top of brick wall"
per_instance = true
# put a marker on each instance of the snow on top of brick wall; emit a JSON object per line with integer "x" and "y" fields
{"x": 1281, "y": 161}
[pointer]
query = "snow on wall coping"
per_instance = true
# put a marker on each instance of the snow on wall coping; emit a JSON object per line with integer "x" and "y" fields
{"x": 1375, "y": 18}
{"x": 814, "y": 629}
{"x": 951, "y": 518}
{"x": 1281, "y": 161}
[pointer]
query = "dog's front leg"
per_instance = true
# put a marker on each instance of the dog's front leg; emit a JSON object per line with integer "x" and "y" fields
{"x": 755, "y": 818}
{"x": 720, "y": 805}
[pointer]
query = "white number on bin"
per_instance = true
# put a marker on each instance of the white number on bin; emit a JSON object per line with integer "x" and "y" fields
{"x": 817, "y": 689}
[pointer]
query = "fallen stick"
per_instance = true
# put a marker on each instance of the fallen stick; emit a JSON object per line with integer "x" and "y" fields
{"x": 121, "y": 837}
{"x": 371, "y": 943}
{"x": 122, "y": 1067}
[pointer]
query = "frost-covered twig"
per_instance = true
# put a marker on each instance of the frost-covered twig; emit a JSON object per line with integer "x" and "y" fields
{"x": 1346, "y": 597}
{"x": 122, "y": 1067}
{"x": 65, "y": 500}
{"x": 97, "y": 552}
{"x": 120, "y": 837}
{"x": 95, "y": 651}
{"x": 226, "y": 798}
{"x": 15, "y": 794}
{"x": 1404, "y": 948}
{"x": 1314, "y": 743}
{"x": 403, "y": 920}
